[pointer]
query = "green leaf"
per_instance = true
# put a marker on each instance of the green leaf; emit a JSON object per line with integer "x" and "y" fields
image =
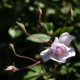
{"x": 34, "y": 73}
{"x": 78, "y": 46}
{"x": 77, "y": 24}
{"x": 77, "y": 64}
{"x": 76, "y": 11}
{"x": 41, "y": 36}
{"x": 48, "y": 27}
{"x": 65, "y": 29}
{"x": 31, "y": 76}
{"x": 14, "y": 33}
{"x": 63, "y": 70}
{"x": 51, "y": 11}
{"x": 36, "y": 68}
{"x": 31, "y": 8}
{"x": 27, "y": 1}
{"x": 41, "y": 5}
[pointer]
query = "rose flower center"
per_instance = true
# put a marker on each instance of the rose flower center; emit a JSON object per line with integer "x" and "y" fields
{"x": 58, "y": 50}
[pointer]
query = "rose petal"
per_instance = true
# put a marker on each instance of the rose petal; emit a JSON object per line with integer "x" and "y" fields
{"x": 65, "y": 38}
{"x": 57, "y": 59}
{"x": 54, "y": 45}
{"x": 56, "y": 40}
{"x": 45, "y": 54}
{"x": 71, "y": 53}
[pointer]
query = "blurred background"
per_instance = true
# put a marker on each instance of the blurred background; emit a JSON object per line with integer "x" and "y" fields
{"x": 56, "y": 14}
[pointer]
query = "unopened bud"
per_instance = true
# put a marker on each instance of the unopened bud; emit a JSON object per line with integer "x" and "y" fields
{"x": 71, "y": 12}
{"x": 11, "y": 68}
{"x": 11, "y": 45}
{"x": 21, "y": 26}
{"x": 40, "y": 11}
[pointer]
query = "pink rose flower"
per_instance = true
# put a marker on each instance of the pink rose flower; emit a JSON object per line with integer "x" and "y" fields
{"x": 59, "y": 50}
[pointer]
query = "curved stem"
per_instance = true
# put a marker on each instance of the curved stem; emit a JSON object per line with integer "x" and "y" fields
{"x": 37, "y": 38}
{"x": 38, "y": 62}
{"x": 24, "y": 56}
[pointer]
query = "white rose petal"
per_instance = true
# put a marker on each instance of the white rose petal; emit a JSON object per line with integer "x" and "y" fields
{"x": 59, "y": 50}
{"x": 45, "y": 55}
{"x": 65, "y": 38}
{"x": 70, "y": 53}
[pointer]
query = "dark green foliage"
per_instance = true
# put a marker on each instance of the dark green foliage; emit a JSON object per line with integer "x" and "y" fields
{"x": 54, "y": 16}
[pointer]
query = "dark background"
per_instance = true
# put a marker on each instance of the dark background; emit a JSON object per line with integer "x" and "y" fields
{"x": 55, "y": 13}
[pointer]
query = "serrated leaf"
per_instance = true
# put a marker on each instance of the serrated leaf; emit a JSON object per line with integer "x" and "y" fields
{"x": 41, "y": 36}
